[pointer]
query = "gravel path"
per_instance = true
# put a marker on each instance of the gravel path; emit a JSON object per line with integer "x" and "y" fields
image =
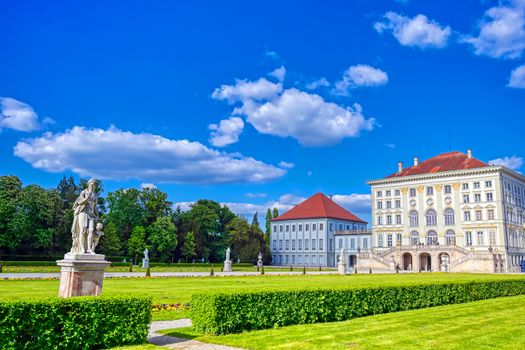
{"x": 179, "y": 343}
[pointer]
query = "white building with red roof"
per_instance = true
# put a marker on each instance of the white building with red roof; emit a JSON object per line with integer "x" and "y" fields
{"x": 451, "y": 212}
{"x": 305, "y": 235}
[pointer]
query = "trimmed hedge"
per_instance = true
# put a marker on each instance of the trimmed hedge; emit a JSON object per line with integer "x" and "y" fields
{"x": 29, "y": 263}
{"x": 233, "y": 312}
{"x": 74, "y": 323}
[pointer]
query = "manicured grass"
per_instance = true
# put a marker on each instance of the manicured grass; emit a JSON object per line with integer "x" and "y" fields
{"x": 180, "y": 290}
{"x": 173, "y": 268}
{"x": 488, "y": 324}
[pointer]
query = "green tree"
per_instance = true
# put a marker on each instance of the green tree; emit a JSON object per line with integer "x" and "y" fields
{"x": 275, "y": 212}
{"x": 255, "y": 220}
{"x": 154, "y": 203}
{"x": 268, "y": 226}
{"x": 12, "y": 224}
{"x": 246, "y": 240}
{"x": 110, "y": 242}
{"x": 188, "y": 248}
{"x": 124, "y": 211}
{"x": 163, "y": 237}
{"x": 137, "y": 242}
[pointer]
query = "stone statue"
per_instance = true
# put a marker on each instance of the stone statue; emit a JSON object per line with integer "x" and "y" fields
{"x": 259, "y": 260}
{"x": 227, "y": 263}
{"x": 341, "y": 265}
{"x": 145, "y": 261}
{"x": 228, "y": 252}
{"x": 98, "y": 233}
{"x": 146, "y": 254}
{"x": 84, "y": 225}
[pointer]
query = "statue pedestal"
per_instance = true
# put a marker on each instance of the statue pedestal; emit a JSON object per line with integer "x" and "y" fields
{"x": 145, "y": 263}
{"x": 341, "y": 268}
{"x": 81, "y": 274}
{"x": 227, "y": 266}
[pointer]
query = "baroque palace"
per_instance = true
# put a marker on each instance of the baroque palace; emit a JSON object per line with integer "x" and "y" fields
{"x": 451, "y": 212}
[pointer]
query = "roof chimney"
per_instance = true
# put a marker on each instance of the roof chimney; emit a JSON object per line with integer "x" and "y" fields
{"x": 399, "y": 167}
{"x": 469, "y": 153}
{"x": 416, "y": 161}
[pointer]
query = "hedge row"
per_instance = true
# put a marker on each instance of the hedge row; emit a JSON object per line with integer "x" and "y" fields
{"x": 237, "y": 311}
{"x": 74, "y": 323}
{"x": 29, "y": 263}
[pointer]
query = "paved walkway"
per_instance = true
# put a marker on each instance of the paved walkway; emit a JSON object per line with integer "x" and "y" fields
{"x": 179, "y": 343}
{"x": 56, "y": 275}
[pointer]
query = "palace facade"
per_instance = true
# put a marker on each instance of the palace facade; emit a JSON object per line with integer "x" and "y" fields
{"x": 304, "y": 235}
{"x": 451, "y": 212}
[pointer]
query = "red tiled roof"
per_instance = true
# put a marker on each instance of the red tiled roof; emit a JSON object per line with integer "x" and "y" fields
{"x": 318, "y": 206}
{"x": 444, "y": 162}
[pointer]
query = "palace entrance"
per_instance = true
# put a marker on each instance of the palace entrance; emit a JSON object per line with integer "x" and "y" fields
{"x": 425, "y": 262}
{"x": 407, "y": 261}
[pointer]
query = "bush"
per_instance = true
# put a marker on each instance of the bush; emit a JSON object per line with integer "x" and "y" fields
{"x": 237, "y": 311}
{"x": 74, "y": 323}
{"x": 30, "y": 263}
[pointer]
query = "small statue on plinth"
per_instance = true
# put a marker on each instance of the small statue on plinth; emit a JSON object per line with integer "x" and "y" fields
{"x": 227, "y": 262}
{"x": 145, "y": 261}
{"x": 341, "y": 265}
{"x": 259, "y": 260}
{"x": 82, "y": 271}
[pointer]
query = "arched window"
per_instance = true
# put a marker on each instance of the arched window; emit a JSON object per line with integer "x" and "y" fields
{"x": 414, "y": 237}
{"x": 431, "y": 217}
{"x": 413, "y": 218}
{"x": 432, "y": 238}
{"x": 449, "y": 216}
{"x": 450, "y": 237}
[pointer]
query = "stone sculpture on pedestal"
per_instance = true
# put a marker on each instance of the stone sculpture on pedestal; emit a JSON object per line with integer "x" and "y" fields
{"x": 227, "y": 262}
{"x": 82, "y": 271}
{"x": 259, "y": 260}
{"x": 145, "y": 261}
{"x": 341, "y": 265}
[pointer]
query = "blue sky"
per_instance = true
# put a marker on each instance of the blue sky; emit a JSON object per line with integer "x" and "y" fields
{"x": 256, "y": 103}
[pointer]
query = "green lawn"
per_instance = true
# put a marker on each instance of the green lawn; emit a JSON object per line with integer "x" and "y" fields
{"x": 180, "y": 290}
{"x": 173, "y": 268}
{"x": 488, "y": 324}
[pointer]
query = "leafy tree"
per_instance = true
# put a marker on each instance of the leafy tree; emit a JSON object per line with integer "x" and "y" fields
{"x": 155, "y": 204}
{"x": 275, "y": 212}
{"x": 11, "y": 224}
{"x": 246, "y": 240}
{"x": 188, "y": 248}
{"x": 110, "y": 242}
{"x": 163, "y": 237}
{"x": 124, "y": 211}
{"x": 137, "y": 242}
{"x": 255, "y": 220}
{"x": 268, "y": 226}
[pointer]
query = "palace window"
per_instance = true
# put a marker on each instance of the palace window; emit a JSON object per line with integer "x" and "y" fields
{"x": 313, "y": 244}
{"x": 490, "y": 214}
{"x": 448, "y": 189}
{"x": 340, "y": 243}
{"x": 379, "y": 193}
{"x": 321, "y": 246}
{"x": 389, "y": 204}
{"x": 398, "y": 203}
{"x": 488, "y": 184}
{"x": 380, "y": 240}
{"x": 479, "y": 215}
{"x": 492, "y": 237}
{"x": 389, "y": 219}
{"x": 413, "y": 218}
{"x": 365, "y": 243}
{"x": 300, "y": 227}
{"x": 300, "y": 244}
{"x": 430, "y": 191}
{"x": 379, "y": 220}
{"x": 314, "y": 226}
{"x": 468, "y": 238}
{"x": 280, "y": 228}
{"x": 464, "y": 186}
{"x": 480, "y": 238}
{"x": 293, "y": 244}
{"x": 398, "y": 238}
{"x": 287, "y": 228}
{"x": 398, "y": 193}
{"x": 306, "y": 244}
{"x": 321, "y": 227}
{"x": 489, "y": 197}
{"x": 352, "y": 243}
{"x": 306, "y": 227}
{"x": 449, "y": 216}
{"x": 466, "y": 198}
{"x": 466, "y": 216}
{"x": 274, "y": 228}
{"x": 274, "y": 244}
{"x": 431, "y": 217}
{"x": 389, "y": 241}
{"x": 432, "y": 238}
{"x": 450, "y": 237}
{"x": 414, "y": 238}
{"x": 398, "y": 219}
{"x": 477, "y": 198}
{"x": 379, "y": 205}
{"x": 412, "y": 192}
{"x": 280, "y": 244}
{"x": 388, "y": 193}
{"x": 287, "y": 244}
{"x": 340, "y": 226}
{"x": 476, "y": 184}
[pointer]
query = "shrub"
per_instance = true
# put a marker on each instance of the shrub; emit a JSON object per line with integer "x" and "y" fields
{"x": 74, "y": 323}
{"x": 237, "y": 311}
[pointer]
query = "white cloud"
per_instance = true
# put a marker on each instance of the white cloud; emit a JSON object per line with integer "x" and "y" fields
{"x": 147, "y": 185}
{"x": 418, "y": 31}
{"x": 116, "y": 154}
{"x": 286, "y": 165}
{"x": 512, "y": 162}
{"x": 501, "y": 31}
{"x": 227, "y": 132}
{"x": 360, "y": 75}
{"x": 321, "y": 82}
{"x": 359, "y": 204}
{"x": 279, "y": 73}
{"x": 255, "y": 195}
{"x": 517, "y": 78}
{"x": 261, "y": 89}
{"x": 17, "y": 115}
{"x": 272, "y": 54}
{"x": 390, "y": 145}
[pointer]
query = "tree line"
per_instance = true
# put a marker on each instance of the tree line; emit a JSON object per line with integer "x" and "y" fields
{"x": 37, "y": 221}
